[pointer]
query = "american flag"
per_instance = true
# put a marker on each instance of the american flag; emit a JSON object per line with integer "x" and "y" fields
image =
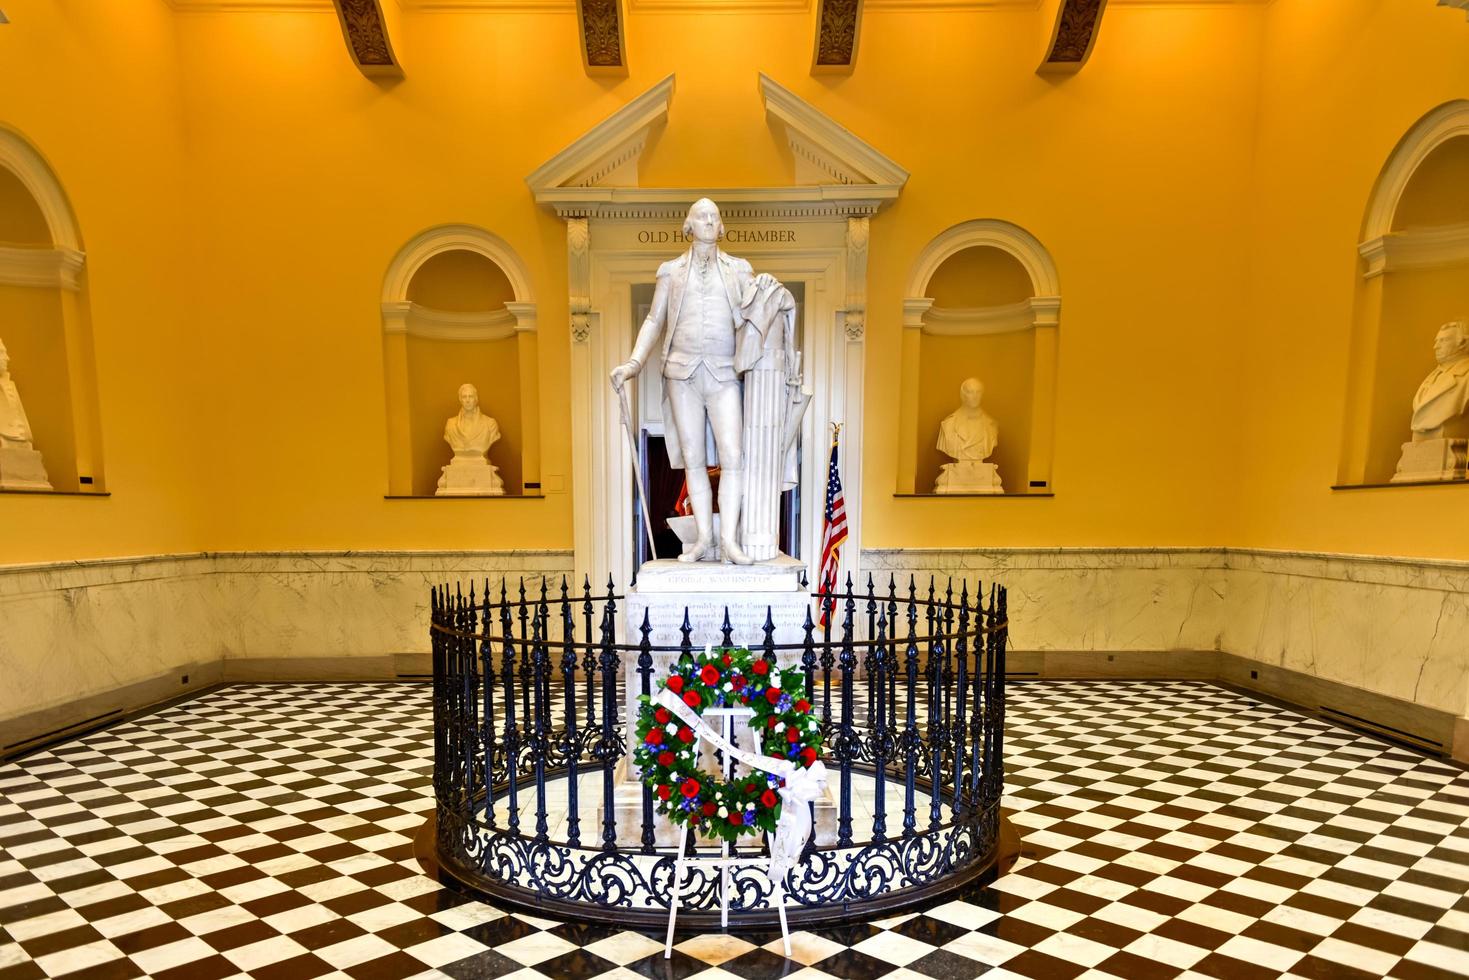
{"x": 834, "y": 528}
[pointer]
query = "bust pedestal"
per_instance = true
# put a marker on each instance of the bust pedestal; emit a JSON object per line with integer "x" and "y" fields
{"x": 968, "y": 476}
{"x": 1432, "y": 459}
{"x": 22, "y": 469}
{"x": 469, "y": 474}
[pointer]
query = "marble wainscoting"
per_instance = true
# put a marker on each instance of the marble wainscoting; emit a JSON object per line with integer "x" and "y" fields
{"x": 1064, "y": 602}
{"x": 1381, "y": 643}
{"x": 83, "y": 641}
{"x": 346, "y": 615}
{"x": 79, "y": 640}
{"x": 1392, "y": 626}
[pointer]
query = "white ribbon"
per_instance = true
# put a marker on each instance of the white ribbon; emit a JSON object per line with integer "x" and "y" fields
{"x": 803, "y": 786}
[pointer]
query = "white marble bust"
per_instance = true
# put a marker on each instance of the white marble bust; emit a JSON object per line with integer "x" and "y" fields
{"x": 968, "y": 435}
{"x": 21, "y": 467}
{"x": 470, "y": 434}
{"x": 1437, "y": 447}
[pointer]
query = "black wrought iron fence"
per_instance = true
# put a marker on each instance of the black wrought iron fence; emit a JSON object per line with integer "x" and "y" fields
{"x": 536, "y": 806}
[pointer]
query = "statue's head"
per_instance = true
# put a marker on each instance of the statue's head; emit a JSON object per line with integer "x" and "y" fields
{"x": 468, "y": 397}
{"x": 703, "y": 223}
{"x": 1452, "y": 341}
{"x": 970, "y": 392}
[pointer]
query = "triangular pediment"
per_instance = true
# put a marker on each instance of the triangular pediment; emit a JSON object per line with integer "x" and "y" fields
{"x": 607, "y": 154}
{"x": 826, "y": 152}
{"x": 836, "y": 173}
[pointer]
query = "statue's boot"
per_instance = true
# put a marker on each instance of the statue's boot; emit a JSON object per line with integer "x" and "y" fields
{"x": 731, "y": 495}
{"x": 701, "y": 500}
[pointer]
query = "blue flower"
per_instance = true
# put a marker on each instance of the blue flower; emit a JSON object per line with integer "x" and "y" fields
{"x": 749, "y": 818}
{"x": 772, "y": 780}
{"x": 785, "y": 703}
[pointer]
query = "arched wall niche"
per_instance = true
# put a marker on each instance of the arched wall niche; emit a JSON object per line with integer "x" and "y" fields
{"x": 1414, "y": 277}
{"x": 457, "y": 307}
{"x": 44, "y": 320}
{"x": 983, "y": 301}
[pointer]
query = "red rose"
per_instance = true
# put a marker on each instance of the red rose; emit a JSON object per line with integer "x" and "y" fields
{"x": 738, "y": 683}
{"x": 736, "y": 820}
{"x": 760, "y": 667}
{"x": 685, "y": 735}
{"x": 692, "y": 699}
{"x": 776, "y": 754}
{"x": 654, "y": 736}
{"x": 808, "y": 756}
{"x": 772, "y": 721}
{"x": 661, "y": 716}
{"x": 709, "y": 675}
{"x": 709, "y": 809}
{"x": 665, "y": 758}
{"x": 769, "y": 798}
{"x": 749, "y": 787}
{"x": 803, "y": 705}
{"x": 664, "y": 792}
{"x": 726, "y": 660}
{"x": 690, "y": 788}
{"x": 675, "y": 683}
{"x": 792, "y": 736}
{"x": 772, "y": 694}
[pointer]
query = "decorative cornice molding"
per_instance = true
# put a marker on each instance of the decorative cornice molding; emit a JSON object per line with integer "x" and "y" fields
{"x": 1429, "y": 133}
{"x": 601, "y": 26}
{"x": 744, "y": 203}
{"x": 994, "y": 233}
{"x": 1421, "y": 248}
{"x": 838, "y": 25}
{"x": 22, "y": 159}
{"x": 366, "y": 34}
{"x": 716, "y": 6}
{"x": 1074, "y": 36}
{"x": 455, "y": 238}
{"x": 1038, "y": 311}
{"x": 54, "y": 268}
{"x": 614, "y": 143}
{"x": 818, "y": 133}
{"x": 431, "y": 324}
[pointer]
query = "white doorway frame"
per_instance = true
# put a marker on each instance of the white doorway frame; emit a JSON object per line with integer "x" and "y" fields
{"x": 833, "y": 364}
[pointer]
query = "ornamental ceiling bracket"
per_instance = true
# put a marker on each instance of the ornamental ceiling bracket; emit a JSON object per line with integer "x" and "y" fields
{"x": 366, "y": 34}
{"x": 1460, "y": 4}
{"x": 602, "y": 25}
{"x": 838, "y": 22}
{"x": 1075, "y": 34}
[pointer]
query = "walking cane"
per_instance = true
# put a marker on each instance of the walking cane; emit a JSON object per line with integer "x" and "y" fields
{"x": 637, "y": 469}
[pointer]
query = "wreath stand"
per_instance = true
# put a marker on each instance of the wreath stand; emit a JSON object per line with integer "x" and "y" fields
{"x": 724, "y": 862}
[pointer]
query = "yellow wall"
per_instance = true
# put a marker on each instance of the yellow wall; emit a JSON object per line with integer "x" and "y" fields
{"x": 95, "y": 88}
{"x": 1200, "y": 184}
{"x": 1338, "y": 94}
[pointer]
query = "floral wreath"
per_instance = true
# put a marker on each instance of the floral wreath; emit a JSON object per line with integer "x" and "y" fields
{"x": 788, "y": 729}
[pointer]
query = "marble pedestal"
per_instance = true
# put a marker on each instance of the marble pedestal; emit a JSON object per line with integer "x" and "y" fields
{"x": 22, "y": 469}
{"x": 470, "y": 475}
{"x": 968, "y": 476}
{"x": 664, "y": 591}
{"x": 1432, "y": 459}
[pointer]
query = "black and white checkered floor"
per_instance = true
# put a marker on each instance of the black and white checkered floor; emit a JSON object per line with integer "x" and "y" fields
{"x": 1171, "y": 830}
